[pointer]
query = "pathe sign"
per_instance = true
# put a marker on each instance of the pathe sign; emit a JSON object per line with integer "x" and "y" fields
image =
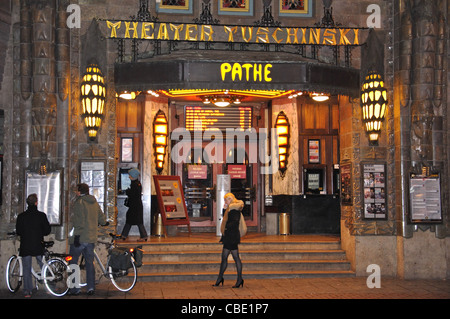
{"x": 128, "y": 29}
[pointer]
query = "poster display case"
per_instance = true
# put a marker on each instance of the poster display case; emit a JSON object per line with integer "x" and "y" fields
{"x": 48, "y": 190}
{"x": 171, "y": 201}
{"x": 93, "y": 174}
{"x": 425, "y": 198}
{"x": 374, "y": 190}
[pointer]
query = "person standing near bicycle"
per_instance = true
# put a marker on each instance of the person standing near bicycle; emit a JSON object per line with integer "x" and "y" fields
{"x": 86, "y": 216}
{"x": 31, "y": 225}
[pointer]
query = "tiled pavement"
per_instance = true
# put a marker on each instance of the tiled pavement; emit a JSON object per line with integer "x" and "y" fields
{"x": 298, "y": 288}
{"x": 260, "y": 298}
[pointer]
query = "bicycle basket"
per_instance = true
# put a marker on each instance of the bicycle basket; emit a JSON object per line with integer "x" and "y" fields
{"x": 120, "y": 259}
{"x": 138, "y": 254}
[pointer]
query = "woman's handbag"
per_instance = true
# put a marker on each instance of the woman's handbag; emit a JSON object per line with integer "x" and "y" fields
{"x": 242, "y": 226}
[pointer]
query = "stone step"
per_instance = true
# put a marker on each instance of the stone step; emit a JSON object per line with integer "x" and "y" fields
{"x": 254, "y": 265}
{"x": 230, "y": 275}
{"x": 192, "y": 258}
{"x": 291, "y": 254}
{"x": 185, "y": 247}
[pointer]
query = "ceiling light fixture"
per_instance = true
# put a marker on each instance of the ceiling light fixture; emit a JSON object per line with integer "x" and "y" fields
{"x": 319, "y": 97}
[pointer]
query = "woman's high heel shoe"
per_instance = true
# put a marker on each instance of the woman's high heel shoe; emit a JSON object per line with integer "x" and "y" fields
{"x": 218, "y": 282}
{"x": 237, "y": 285}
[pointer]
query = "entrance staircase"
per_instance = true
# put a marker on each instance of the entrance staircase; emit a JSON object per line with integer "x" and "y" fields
{"x": 197, "y": 257}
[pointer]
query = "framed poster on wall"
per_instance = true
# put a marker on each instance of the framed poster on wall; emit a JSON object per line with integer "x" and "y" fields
{"x": 425, "y": 198}
{"x": 374, "y": 190}
{"x": 48, "y": 190}
{"x": 93, "y": 174}
{"x": 171, "y": 202}
{"x": 314, "y": 151}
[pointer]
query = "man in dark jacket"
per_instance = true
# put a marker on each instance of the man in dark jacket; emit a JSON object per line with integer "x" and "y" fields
{"x": 32, "y": 225}
{"x": 86, "y": 216}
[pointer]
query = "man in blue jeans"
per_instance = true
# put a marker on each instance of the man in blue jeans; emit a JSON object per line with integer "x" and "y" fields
{"x": 86, "y": 216}
{"x": 32, "y": 225}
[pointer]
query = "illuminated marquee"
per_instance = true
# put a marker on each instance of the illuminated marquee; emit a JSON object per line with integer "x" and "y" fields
{"x": 232, "y": 34}
{"x": 246, "y": 71}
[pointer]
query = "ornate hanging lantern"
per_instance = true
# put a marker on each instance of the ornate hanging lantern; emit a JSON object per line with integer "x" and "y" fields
{"x": 373, "y": 104}
{"x": 93, "y": 96}
{"x": 160, "y": 134}
{"x": 283, "y": 134}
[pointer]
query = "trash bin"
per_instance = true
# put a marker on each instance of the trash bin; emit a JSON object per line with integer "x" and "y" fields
{"x": 284, "y": 223}
{"x": 159, "y": 228}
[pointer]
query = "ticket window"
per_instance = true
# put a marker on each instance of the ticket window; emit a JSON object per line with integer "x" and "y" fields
{"x": 198, "y": 187}
{"x": 314, "y": 181}
{"x": 241, "y": 175}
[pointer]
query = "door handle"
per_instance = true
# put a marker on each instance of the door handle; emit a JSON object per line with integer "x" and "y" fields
{"x": 253, "y": 193}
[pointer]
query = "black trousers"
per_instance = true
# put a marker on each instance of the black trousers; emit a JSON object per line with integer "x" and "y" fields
{"x": 127, "y": 227}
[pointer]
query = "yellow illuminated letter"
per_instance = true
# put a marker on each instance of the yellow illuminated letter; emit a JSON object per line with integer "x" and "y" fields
{"x": 293, "y": 34}
{"x": 262, "y": 35}
{"x": 230, "y": 32}
{"x": 224, "y": 69}
{"x": 207, "y": 33}
{"x": 247, "y": 67}
{"x": 356, "y": 41}
{"x": 343, "y": 36}
{"x": 163, "y": 33}
{"x": 257, "y": 72}
{"x": 329, "y": 36}
{"x": 237, "y": 70}
{"x": 145, "y": 29}
{"x": 189, "y": 29}
{"x": 304, "y": 35}
{"x": 314, "y": 35}
{"x": 134, "y": 28}
{"x": 113, "y": 27}
{"x": 250, "y": 33}
{"x": 274, "y": 35}
{"x": 267, "y": 68}
{"x": 177, "y": 29}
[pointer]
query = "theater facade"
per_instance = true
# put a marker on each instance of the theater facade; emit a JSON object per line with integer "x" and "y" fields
{"x": 332, "y": 112}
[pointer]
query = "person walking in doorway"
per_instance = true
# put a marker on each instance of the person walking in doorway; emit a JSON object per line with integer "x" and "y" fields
{"x": 233, "y": 228}
{"x": 32, "y": 225}
{"x": 135, "y": 213}
{"x": 86, "y": 216}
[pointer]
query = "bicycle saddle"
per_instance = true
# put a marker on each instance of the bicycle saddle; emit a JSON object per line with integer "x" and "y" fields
{"x": 48, "y": 244}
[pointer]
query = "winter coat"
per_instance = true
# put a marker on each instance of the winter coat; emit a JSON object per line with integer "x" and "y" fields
{"x": 86, "y": 216}
{"x": 32, "y": 225}
{"x": 233, "y": 225}
{"x": 135, "y": 213}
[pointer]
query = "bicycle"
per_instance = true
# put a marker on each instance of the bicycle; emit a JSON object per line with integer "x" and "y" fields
{"x": 123, "y": 279}
{"x": 53, "y": 274}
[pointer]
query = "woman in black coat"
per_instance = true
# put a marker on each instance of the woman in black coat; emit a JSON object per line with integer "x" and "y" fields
{"x": 135, "y": 213}
{"x": 233, "y": 225}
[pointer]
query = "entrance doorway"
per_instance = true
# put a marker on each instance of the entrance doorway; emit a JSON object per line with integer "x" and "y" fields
{"x": 199, "y": 179}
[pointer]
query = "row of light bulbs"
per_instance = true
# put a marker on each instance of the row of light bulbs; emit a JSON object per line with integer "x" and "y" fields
{"x": 318, "y": 97}
{"x": 131, "y": 95}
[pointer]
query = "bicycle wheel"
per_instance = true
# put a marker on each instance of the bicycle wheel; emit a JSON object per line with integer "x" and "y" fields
{"x": 14, "y": 273}
{"x": 56, "y": 273}
{"x": 124, "y": 280}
